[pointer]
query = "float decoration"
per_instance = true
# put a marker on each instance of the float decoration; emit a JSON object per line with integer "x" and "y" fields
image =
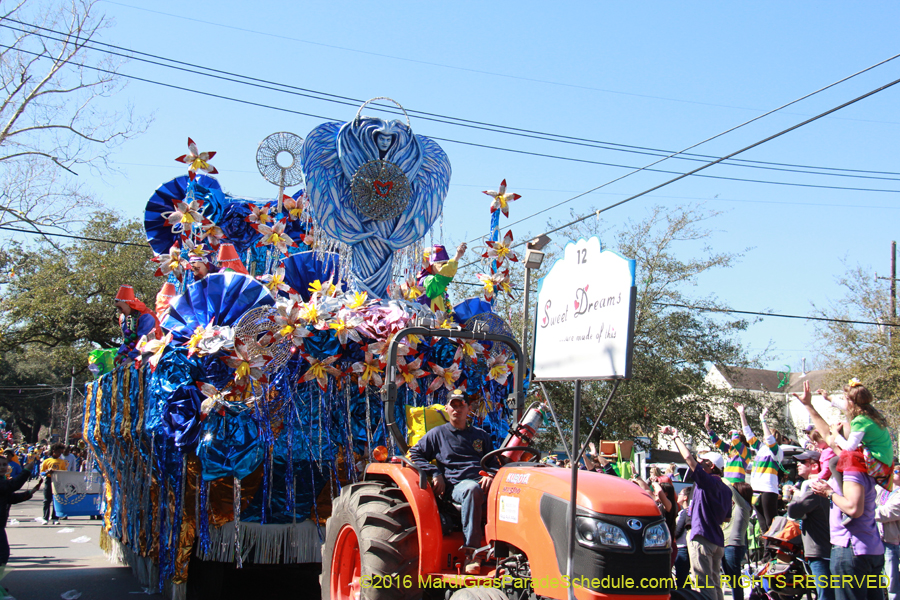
{"x": 265, "y": 387}
{"x": 371, "y": 221}
{"x": 198, "y": 161}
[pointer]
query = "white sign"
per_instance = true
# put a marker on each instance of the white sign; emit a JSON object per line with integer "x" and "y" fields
{"x": 585, "y": 315}
{"x": 509, "y": 509}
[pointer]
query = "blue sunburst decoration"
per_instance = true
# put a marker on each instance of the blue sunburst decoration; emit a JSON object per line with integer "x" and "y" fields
{"x": 206, "y": 188}
{"x": 303, "y": 268}
{"x": 220, "y": 298}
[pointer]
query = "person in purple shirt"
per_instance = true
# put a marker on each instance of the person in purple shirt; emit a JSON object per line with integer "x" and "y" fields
{"x": 856, "y": 547}
{"x": 710, "y": 507}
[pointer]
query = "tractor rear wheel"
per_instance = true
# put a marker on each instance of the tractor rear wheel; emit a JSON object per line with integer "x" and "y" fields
{"x": 371, "y": 549}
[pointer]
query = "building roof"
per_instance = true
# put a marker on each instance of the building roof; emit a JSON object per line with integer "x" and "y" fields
{"x": 742, "y": 378}
{"x": 763, "y": 380}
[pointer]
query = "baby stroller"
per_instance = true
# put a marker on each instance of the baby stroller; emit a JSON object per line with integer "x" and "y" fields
{"x": 784, "y": 574}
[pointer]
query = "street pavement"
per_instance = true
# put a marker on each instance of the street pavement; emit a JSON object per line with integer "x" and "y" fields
{"x": 46, "y": 563}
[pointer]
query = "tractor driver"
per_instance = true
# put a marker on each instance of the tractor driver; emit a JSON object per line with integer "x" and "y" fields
{"x": 457, "y": 448}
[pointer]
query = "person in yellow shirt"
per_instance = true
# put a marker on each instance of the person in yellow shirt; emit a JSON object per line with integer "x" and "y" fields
{"x": 54, "y": 463}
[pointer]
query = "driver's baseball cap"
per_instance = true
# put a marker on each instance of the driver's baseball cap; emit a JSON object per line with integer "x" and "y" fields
{"x": 458, "y": 394}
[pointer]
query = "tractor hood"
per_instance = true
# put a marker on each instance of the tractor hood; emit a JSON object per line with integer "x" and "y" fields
{"x": 597, "y": 492}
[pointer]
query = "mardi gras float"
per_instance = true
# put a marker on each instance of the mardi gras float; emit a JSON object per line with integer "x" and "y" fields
{"x": 246, "y": 397}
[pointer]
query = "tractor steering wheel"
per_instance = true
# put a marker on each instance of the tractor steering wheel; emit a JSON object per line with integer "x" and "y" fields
{"x": 535, "y": 456}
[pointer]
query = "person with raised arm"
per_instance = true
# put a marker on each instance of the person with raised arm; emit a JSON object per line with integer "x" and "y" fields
{"x": 710, "y": 507}
{"x": 736, "y": 453}
{"x": 764, "y": 477}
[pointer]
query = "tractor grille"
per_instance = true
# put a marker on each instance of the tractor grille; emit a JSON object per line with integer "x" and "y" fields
{"x": 614, "y": 569}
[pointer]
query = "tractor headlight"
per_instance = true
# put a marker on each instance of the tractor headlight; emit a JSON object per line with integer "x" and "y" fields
{"x": 656, "y": 537}
{"x": 599, "y": 534}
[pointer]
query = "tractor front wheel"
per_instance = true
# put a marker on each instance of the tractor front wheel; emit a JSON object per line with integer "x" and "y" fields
{"x": 371, "y": 549}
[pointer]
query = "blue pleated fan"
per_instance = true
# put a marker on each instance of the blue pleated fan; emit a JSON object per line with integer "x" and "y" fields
{"x": 221, "y": 298}
{"x": 303, "y": 268}
{"x": 206, "y": 188}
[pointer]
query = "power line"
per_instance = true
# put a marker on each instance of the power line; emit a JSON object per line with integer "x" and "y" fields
{"x": 671, "y": 305}
{"x": 528, "y": 133}
{"x": 682, "y": 176}
{"x": 74, "y": 237}
{"x": 782, "y": 316}
{"x": 570, "y": 159}
{"x": 467, "y": 69}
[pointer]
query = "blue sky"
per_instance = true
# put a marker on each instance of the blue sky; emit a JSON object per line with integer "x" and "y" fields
{"x": 654, "y": 74}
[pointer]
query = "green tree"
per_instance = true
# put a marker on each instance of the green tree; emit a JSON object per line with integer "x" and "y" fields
{"x": 674, "y": 346}
{"x": 869, "y": 352}
{"x": 58, "y": 306}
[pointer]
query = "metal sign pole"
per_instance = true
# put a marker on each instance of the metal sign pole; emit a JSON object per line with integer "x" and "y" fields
{"x": 570, "y": 554}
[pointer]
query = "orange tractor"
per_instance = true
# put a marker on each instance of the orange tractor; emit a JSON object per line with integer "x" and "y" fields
{"x": 389, "y": 537}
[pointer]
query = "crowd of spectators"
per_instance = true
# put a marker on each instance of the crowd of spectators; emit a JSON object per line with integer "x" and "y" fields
{"x": 843, "y": 489}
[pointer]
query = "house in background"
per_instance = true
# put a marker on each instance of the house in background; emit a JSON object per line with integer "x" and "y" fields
{"x": 775, "y": 388}
{"x": 779, "y": 387}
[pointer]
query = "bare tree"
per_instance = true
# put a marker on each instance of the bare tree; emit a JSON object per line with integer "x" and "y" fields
{"x": 53, "y": 86}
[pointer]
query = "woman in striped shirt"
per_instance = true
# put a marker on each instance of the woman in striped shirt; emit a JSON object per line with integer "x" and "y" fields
{"x": 764, "y": 478}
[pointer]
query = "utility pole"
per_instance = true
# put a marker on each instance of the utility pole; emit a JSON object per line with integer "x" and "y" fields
{"x": 893, "y": 280}
{"x": 69, "y": 406}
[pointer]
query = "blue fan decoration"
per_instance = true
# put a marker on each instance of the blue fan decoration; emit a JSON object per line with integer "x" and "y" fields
{"x": 220, "y": 298}
{"x": 206, "y": 188}
{"x": 303, "y": 268}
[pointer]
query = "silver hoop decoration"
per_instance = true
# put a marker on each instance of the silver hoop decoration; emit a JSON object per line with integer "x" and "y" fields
{"x": 359, "y": 112}
{"x": 380, "y": 190}
{"x": 487, "y": 322}
{"x": 253, "y": 326}
{"x": 267, "y": 159}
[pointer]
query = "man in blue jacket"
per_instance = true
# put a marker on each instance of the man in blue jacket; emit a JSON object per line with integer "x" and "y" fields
{"x": 710, "y": 507}
{"x": 458, "y": 448}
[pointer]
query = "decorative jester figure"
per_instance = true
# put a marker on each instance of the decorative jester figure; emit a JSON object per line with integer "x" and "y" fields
{"x": 435, "y": 278}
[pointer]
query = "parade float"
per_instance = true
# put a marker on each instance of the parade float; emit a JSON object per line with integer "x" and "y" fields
{"x": 225, "y": 431}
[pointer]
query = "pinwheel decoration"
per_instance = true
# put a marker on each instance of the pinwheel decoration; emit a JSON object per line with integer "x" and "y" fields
{"x": 499, "y": 368}
{"x": 494, "y": 282}
{"x": 444, "y": 376}
{"x": 294, "y": 207}
{"x": 247, "y": 368}
{"x": 274, "y": 282}
{"x": 193, "y": 344}
{"x": 469, "y": 349}
{"x": 212, "y": 233}
{"x": 321, "y": 369}
{"x": 170, "y": 263}
{"x": 155, "y": 348}
{"x": 501, "y": 199}
{"x": 185, "y": 216}
{"x": 410, "y": 372}
{"x": 368, "y": 372}
{"x": 345, "y": 329}
{"x": 319, "y": 289}
{"x": 214, "y": 402}
{"x": 195, "y": 249}
{"x": 198, "y": 161}
{"x": 275, "y": 236}
{"x": 381, "y": 348}
{"x": 360, "y": 300}
{"x": 500, "y": 251}
{"x": 260, "y": 215}
{"x": 288, "y": 323}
